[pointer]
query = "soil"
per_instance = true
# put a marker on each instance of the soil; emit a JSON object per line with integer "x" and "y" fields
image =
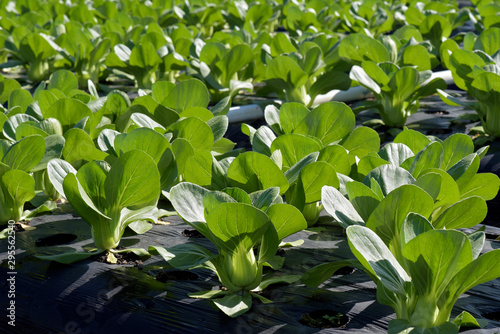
{"x": 121, "y": 258}
{"x": 192, "y": 234}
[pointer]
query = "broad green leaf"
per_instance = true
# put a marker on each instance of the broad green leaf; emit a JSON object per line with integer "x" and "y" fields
{"x": 286, "y": 69}
{"x": 292, "y": 175}
{"x": 161, "y": 89}
{"x": 26, "y": 153}
{"x": 286, "y": 219}
{"x": 434, "y": 257}
{"x": 237, "y": 226}
{"x": 413, "y": 226}
{"x": 144, "y": 121}
{"x": 330, "y": 122}
{"x": 484, "y": 185}
{"x": 11, "y": 124}
{"x": 183, "y": 256}
{"x": 91, "y": 177}
{"x": 54, "y": 145}
{"x": 263, "y": 199}
{"x": 449, "y": 192}
{"x": 290, "y": 115}
{"x": 79, "y": 146}
{"x": 464, "y": 214}
{"x": 235, "y": 60}
{"x": 234, "y": 305}
{"x": 146, "y": 140}
{"x": 375, "y": 75}
{"x": 253, "y": 171}
{"x": 63, "y": 80}
{"x": 294, "y": 147}
{"x": 239, "y": 195}
{"x": 358, "y": 74}
{"x": 182, "y": 150}
{"x": 68, "y": 112}
{"x": 431, "y": 183}
{"x": 187, "y": 199}
{"x": 198, "y": 169}
{"x": 188, "y": 93}
{"x": 20, "y": 186}
{"x": 57, "y": 170}
{"x": 6, "y": 87}
{"x": 388, "y": 217}
{"x": 339, "y": 207}
{"x": 336, "y": 156}
{"x": 430, "y": 157}
{"x": 195, "y": 131}
{"x": 362, "y": 198}
{"x": 132, "y": 180}
{"x": 281, "y": 44}
{"x": 488, "y": 41}
{"x": 272, "y": 116}
{"x": 389, "y": 177}
{"x": 374, "y": 255}
{"x": 144, "y": 56}
{"x": 316, "y": 175}
{"x": 369, "y": 163}
{"x": 456, "y": 147}
{"x": 262, "y": 140}
{"x": 219, "y": 125}
{"x": 485, "y": 268}
{"x": 317, "y": 275}
{"x": 51, "y": 126}
{"x": 361, "y": 142}
{"x": 395, "y": 153}
{"x": 415, "y": 140}
{"x": 81, "y": 202}
{"x": 465, "y": 319}
{"x": 358, "y": 47}
{"x": 416, "y": 55}
{"x": 464, "y": 170}
{"x": 19, "y": 97}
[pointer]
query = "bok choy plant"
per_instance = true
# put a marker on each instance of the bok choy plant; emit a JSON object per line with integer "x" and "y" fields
{"x": 308, "y": 148}
{"x": 17, "y": 185}
{"x": 109, "y": 198}
{"x": 245, "y": 228}
{"x": 300, "y": 73}
{"x": 421, "y": 265}
{"x": 478, "y": 73}
{"x": 396, "y": 89}
{"x": 436, "y": 268}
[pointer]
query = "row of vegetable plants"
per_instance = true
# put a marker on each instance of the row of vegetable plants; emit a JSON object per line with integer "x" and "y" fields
{"x": 113, "y": 156}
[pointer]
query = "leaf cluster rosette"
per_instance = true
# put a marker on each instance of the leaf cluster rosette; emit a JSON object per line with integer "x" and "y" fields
{"x": 17, "y": 186}
{"x": 109, "y": 198}
{"x": 302, "y": 150}
{"x": 245, "y": 228}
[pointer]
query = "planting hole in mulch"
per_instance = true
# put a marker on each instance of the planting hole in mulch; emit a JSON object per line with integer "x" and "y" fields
{"x": 175, "y": 275}
{"x": 437, "y": 112}
{"x": 121, "y": 258}
{"x": 192, "y": 234}
{"x": 54, "y": 240}
{"x": 20, "y": 226}
{"x": 281, "y": 252}
{"x": 495, "y": 316}
{"x": 324, "y": 319}
{"x": 345, "y": 271}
